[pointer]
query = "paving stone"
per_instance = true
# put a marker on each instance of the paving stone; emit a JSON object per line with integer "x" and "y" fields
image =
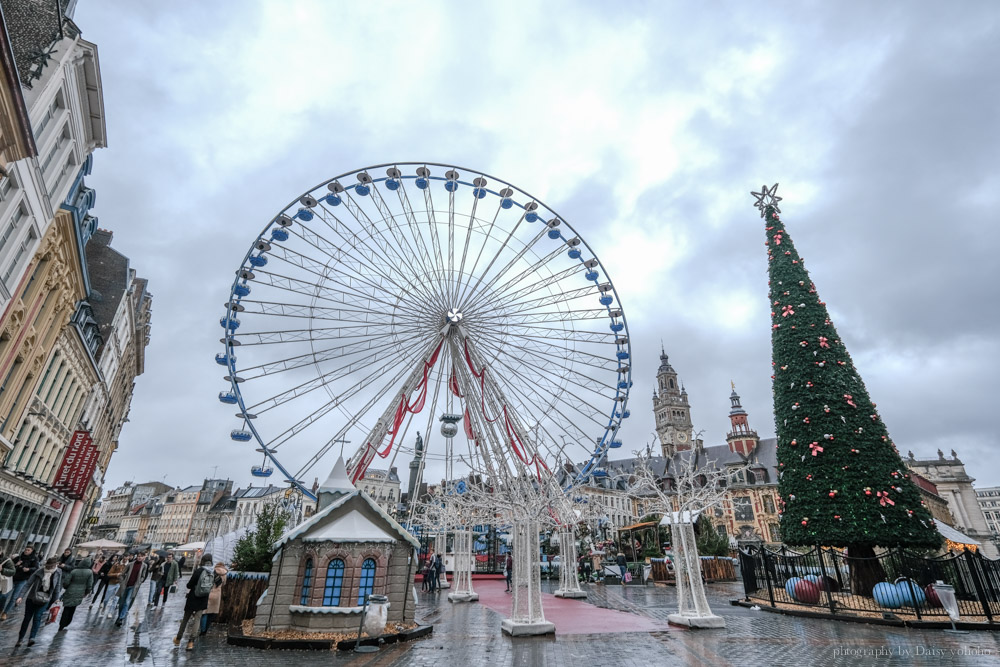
{"x": 469, "y": 634}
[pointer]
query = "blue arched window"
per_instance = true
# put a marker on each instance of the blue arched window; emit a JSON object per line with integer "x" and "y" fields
{"x": 334, "y": 582}
{"x": 367, "y": 584}
{"x": 307, "y": 580}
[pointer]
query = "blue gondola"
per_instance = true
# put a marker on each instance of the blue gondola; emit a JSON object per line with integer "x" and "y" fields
{"x": 615, "y": 444}
{"x": 591, "y": 275}
{"x": 479, "y": 192}
{"x": 258, "y": 260}
{"x": 392, "y": 184}
{"x": 574, "y": 254}
{"x": 241, "y": 436}
{"x": 304, "y": 214}
{"x": 223, "y": 359}
{"x": 554, "y": 233}
{"x": 228, "y": 397}
{"x": 506, "y": 202}
{"x": 622, "y": 354}
{"x": 451, "y": 186}
{"x": 279, "y": 234}
{"x": 261, "y": 471}
{"x": 241, "y": 290}
{"x": 421, "y": 183}
{"x": 362, "y": 190}
{"x": 617, "y": 326}
{"x": 332, "y": 200}
{"x": 607, "y": 300}
{"x": 230, "y": 323}
{"x": 531, "y": 216}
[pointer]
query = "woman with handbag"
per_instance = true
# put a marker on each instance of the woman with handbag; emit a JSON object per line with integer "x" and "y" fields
{"x": 114, "y": 583}
{"x": 171, "y": 573}
{"x": 43, "y": 588}
{"x": 101, "y": 576}
{"x": 215, "y": 597}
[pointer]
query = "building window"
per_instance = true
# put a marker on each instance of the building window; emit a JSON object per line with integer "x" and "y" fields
{"x": 742, "y": 509}
{"x": 307, "y": 580}
{"x": 768, "y": 505}
{"x": 334, "y": 582}
{"x": 775, "y": 533}
{"x": 367, "y": 584}
{"x": 20, "y": 213}
{"x": 19, "y": 255}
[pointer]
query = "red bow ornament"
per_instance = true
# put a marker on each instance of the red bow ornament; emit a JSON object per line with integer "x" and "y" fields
{"x": 786, "y": 311}
{"x": 883, "y": 498}
{"x": 850, "y": 400}
{"x": 777, "y": 239}
{"x": 822, "y": 342}
{"x": 816, "y": 449}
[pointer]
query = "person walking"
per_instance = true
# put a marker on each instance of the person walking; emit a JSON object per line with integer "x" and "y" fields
{"x": 439, "y": 575}
{"x": 7, "y": 570}
{"x": 155, "y": 574}
{"x": 41, "y": 589}
{"x": 199, "y": 587}
{"x": 114, "y": 585}
{"x": 622, "y": 565}
{"x": 78, "y": 584}
{"x": 432, "y": 572}
{"x": 135, "y": 573}
{"x": 24, "y": 565}
{"x": 508, "y": 572}
{"x": 101, "y": 577}
{"x": 214, "y": 598}
{"x": 66, "y": 561}
{"x": 171, "y": 573}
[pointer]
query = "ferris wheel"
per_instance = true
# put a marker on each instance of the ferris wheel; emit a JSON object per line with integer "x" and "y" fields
{"x": 389, "y": 297}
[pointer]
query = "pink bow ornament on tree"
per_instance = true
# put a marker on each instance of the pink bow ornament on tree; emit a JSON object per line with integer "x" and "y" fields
{"x": 883, "y": 498}
{"x": 815, "y": 447}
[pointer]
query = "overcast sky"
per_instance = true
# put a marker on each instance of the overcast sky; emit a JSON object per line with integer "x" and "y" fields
{"x": 645, "y": 125}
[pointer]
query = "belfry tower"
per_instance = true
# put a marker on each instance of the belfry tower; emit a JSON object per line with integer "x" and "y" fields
{"x": 670, "y": 406}
{"x": 741, "y": 438}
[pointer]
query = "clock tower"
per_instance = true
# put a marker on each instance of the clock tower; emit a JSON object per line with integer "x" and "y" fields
{"x": 671, "y": 409}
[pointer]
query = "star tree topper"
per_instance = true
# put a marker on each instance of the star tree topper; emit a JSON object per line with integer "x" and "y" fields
{"x": 767, "y": 197}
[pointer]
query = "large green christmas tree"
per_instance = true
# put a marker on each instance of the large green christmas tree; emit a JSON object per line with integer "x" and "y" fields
{"x": 841, "y": 479}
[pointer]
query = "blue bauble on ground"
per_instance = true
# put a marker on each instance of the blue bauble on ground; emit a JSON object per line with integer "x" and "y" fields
{"x": 909, "y": 591}
{"x": 887, "y": 595}
{"x": 790, "y": 586}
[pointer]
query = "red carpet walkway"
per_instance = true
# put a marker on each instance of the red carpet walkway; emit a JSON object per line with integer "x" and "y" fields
{"x": 571, "y": 617}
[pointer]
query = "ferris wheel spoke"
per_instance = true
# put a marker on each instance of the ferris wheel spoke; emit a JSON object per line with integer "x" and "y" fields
{"x": 486, "y": 287}
{"x": 501, "y": 293}
{"x": 317, "y": 383}
{"x": 377, "y": 375}
{"x": 562, "y": 333}
{"x": 306, "y": 335}
{"x": 427, "y": 259}
{"x": 407, "y": 251}
{"x": 302, "y": 311}
{"x": 322, "y": 272}
{"x": 401, "y": 264}
{"x": 372, "y": 345}
{"x": 552, "y": 316}
{"x": 546, "y": 361}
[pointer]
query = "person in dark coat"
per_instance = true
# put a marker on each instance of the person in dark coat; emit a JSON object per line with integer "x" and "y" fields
{"x": 66, "y": 561}
{"x": 508, "y": 571}
{"x": 622, "y": 565}
{"x": 195, "y": 604}
{"x": 131, "y": 581}
{"x": 102, "y": 579}
{"x": 171, "y": 573}
{"x": 24, "y": 566}
{"x": 43, "y": 588}
{"x": 78, "y": 584}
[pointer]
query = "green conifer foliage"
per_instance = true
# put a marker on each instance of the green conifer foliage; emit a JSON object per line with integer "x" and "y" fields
{"x": 841, "y": 479}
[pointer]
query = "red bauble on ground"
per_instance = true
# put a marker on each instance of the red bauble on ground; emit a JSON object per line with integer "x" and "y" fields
{"x": 932, "y": 597}
{"x": 807, "y": 592}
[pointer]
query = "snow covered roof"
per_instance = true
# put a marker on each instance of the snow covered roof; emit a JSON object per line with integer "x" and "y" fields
{"x": 351, "y": 530}
{"x": 338, "y": 481}
{"x": 954, "y": 535}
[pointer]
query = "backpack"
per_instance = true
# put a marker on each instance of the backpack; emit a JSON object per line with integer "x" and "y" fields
{"x": 206, "y": 582}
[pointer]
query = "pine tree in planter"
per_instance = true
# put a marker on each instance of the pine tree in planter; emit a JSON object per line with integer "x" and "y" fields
{"x": 841, "y": 479}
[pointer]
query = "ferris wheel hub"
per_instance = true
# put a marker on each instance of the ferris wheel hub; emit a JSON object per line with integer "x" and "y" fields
{"x": 454, "y": 316}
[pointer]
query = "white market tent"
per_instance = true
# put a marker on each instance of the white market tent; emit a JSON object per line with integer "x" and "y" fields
{"x": 101, "y": 544}
{"x": 190, "y": 546}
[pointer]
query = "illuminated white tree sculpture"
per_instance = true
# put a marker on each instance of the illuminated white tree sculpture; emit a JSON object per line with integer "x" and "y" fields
{"x": 699, "y": 486}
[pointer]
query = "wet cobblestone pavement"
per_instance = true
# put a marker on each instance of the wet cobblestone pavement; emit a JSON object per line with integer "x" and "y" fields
{"x": 469, "y": 635}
